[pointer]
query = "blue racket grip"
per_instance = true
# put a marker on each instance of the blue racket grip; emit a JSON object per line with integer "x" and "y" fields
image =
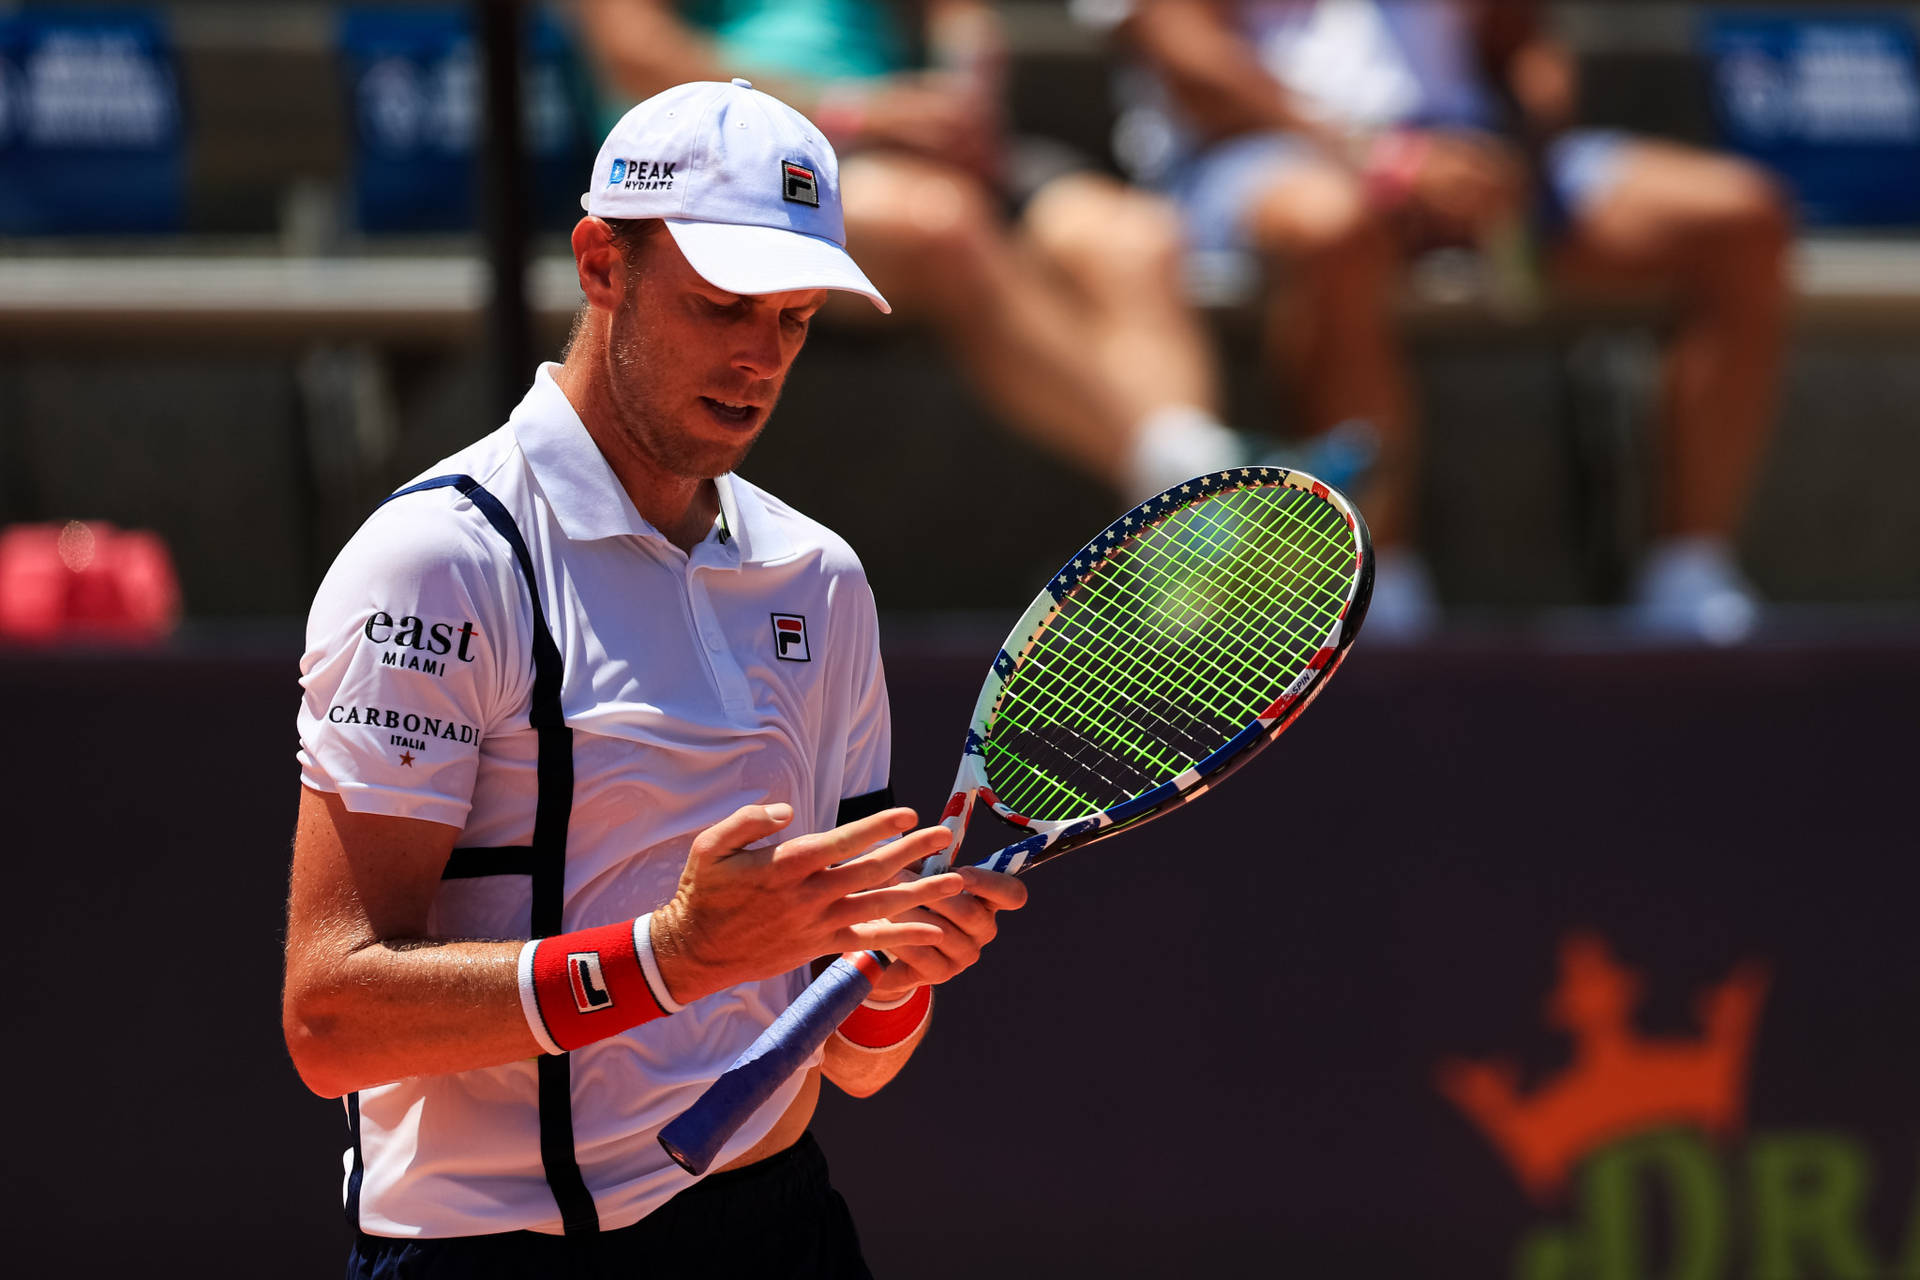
{"x": 695, "y": 1138}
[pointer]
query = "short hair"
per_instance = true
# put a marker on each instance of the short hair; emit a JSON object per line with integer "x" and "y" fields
{"x": 628, "y": 234}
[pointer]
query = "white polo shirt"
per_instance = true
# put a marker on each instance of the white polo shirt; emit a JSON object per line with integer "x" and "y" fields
{"x": 746, "y": 672}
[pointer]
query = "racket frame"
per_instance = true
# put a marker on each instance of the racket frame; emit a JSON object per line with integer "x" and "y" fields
{"x": 1050, "y": 838}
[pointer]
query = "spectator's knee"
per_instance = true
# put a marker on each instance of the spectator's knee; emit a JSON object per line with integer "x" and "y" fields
{"x": 1755, "y": 228}
{"x": 1146, "y": 239}
{"x": 935, "y": 233}
{"x": 1100, "y": 232}
{"x": 1323, "y": 228}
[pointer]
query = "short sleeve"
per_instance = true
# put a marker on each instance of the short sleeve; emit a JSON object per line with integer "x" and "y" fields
{"x": 870, "y": 724}
{"x": 415, "y": 655}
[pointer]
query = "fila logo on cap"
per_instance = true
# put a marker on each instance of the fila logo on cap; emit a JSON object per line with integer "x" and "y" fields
{"x": 797, "y": 184}
{"x": 790, "y": 638}
{"x": 589, "y": 984}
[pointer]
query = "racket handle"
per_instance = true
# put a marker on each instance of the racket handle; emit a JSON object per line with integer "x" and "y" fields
{"x": 695, "y": 1138}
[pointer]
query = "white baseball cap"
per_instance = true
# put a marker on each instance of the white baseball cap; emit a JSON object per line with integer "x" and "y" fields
{"x": 746, "y": 184}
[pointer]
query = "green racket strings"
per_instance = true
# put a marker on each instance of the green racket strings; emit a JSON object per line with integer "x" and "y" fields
{"x": 1184, "y": 635}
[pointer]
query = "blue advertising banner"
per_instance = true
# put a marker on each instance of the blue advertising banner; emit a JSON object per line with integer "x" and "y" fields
{"x": 1830, "y": 102}
{"x": 92, "y": 136}
{"x": 414, "y": 97}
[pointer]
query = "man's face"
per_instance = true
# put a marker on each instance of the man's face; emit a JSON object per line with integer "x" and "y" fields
{"x": 697, "y": 370}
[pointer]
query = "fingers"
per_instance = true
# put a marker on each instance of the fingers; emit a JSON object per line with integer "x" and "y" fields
{"x": 879, "y": 866}
{"x": 998, "y": 890}
{"x": 888, "y": 935}
{"x": 967, "y": 923}
{"x": 893, "y": 900}
{"x": 966, "y": 919}
{"x": 748, "y": 823}
{"x": 827, "y": 848}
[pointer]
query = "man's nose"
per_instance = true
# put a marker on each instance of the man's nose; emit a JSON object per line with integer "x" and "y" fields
{"x": 760, "y": 352}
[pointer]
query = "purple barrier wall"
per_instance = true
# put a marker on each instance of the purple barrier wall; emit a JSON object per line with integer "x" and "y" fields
{"x": 1548, "y": 965}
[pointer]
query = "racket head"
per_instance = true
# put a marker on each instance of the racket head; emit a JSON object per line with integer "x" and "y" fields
{"x": 1166, "y": 653}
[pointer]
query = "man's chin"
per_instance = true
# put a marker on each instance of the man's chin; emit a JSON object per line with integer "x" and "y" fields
{"x": 709, "y": 460}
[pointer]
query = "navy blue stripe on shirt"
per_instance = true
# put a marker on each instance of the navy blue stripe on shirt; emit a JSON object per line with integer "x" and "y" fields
{"x": 545, "y": 861}
{"x": 359, "y": 1165}
{"x": 472, "y": 864}
{"x": 854, "y": 808}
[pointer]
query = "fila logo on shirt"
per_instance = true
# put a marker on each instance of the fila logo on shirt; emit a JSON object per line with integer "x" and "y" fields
{"x": 797, "y": 184}
{"x": 590, "y": 992}
{"x": 790, "y": 638}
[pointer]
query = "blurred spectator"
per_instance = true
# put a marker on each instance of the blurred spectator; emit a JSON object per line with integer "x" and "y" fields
{"x": 1332, "y": 139}
{"x": 1058, "y": 290}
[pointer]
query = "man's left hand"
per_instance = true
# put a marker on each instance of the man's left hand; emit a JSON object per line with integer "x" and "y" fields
{"x": 967, "y": 922}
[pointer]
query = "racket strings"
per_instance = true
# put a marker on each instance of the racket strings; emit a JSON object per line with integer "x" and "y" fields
{"x": 1188, "y": 632}
{"x": 1247, "y": 584}
{"x": 1146, "y": 743}
{"x": 1228, "y": 698}
{"x": 1255, "y": 590}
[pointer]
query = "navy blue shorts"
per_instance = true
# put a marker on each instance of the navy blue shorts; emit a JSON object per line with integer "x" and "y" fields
{"x": 778, "y": 1219}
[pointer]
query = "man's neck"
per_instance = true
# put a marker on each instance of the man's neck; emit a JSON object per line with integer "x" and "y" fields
{"x": 682, "y": 509}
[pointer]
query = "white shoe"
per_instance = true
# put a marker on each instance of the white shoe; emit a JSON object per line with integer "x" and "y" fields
{"x": 1691, "y": 589}
{"x": 1405, "y": 606}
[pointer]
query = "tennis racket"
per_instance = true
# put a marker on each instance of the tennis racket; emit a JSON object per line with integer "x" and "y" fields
{"x": 1160, "y": 659}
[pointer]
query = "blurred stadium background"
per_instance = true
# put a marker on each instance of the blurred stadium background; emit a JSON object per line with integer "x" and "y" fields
{"x": 250, "y": 281}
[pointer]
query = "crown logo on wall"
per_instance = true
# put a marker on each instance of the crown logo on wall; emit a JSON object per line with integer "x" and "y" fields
{"x": 1619, "y": 1082}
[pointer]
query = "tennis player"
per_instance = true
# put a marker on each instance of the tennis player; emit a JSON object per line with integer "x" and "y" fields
{"x": 594, "y": 754}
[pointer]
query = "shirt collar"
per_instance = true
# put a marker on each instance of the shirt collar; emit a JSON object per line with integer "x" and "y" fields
{"x": 588, "y": 499}
{"x": 750, "y": 526}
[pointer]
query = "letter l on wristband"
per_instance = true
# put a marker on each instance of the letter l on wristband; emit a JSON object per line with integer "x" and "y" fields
{"x": 584, "y": 986}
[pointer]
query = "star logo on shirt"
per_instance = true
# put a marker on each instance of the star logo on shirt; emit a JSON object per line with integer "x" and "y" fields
{"x": 406, "y": 758}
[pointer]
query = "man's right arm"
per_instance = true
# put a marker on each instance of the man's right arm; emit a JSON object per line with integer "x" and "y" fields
{"x": 371, "y": 997}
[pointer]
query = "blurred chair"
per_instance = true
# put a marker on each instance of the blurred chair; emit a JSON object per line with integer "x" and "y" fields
{"x": 85, "y": 581}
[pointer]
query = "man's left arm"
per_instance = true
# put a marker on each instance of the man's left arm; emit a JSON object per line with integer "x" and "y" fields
{"x": 968, "y": 922}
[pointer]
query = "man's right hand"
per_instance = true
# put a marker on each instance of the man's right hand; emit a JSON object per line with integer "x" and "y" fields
{"x": 744, "y": 912}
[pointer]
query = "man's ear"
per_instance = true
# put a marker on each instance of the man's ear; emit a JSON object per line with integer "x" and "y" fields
{"x": 604, "y": 278}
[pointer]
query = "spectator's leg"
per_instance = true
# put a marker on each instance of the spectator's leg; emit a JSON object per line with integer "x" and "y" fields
{"x": 1120, "y": 253}
{"x": 1717, "y": 230}
{"x": 1332, "y": 331}
{"x": 935, "y": 246}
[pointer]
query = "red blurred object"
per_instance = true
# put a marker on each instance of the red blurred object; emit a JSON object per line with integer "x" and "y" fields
{"x": 85, "y": 580}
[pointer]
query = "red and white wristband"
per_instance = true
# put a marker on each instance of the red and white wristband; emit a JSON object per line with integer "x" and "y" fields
{"x": 878, "y": 1025}
{"x": 584, "y": 986}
